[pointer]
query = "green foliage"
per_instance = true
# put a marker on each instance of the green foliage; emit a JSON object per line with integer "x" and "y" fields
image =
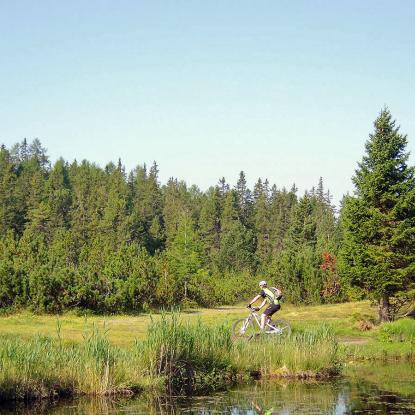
{"x": 310, "y": 235}
{"x": 78, "y": 236}
{"x": 378, "y": 252}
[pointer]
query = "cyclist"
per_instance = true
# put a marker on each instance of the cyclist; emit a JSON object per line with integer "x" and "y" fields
{"x": 271, "y": 297}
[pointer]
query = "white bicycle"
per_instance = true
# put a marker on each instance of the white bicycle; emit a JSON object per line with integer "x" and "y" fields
{"x": 250, "y": 327}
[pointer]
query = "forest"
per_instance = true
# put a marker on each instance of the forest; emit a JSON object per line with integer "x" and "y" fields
{"x": 77, "y": 236}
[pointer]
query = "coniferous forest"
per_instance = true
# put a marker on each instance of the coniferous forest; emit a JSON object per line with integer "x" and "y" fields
{"x": 74, "y": 235}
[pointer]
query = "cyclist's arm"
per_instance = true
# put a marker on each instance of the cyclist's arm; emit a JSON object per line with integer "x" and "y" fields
{"x": 262, "y": 305}
{"x": 254, "y": 300}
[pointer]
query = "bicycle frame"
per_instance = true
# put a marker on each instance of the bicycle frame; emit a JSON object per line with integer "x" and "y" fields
{"x": 257, "y": 318}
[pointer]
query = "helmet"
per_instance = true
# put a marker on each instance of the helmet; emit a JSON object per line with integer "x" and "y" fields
{"x": 262, "y": 283}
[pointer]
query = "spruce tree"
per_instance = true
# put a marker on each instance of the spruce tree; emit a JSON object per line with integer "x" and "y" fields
{"x": 262, "y": 223}
{"x": 378, "y": 254}
{"x": 8, "y": 205}
{"x": 209, "y": 223}
{"x": 244, "y": 197}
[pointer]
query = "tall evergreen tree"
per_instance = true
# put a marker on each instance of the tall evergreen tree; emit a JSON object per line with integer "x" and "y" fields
{"x": 244, "y": 197}
{"x": 8, "y": 205}
{"x": 185, "y": 254}
{"x": 378, "y": 254}
{"x": 237, "y": 245}
{"x": 209, "y": 223}
{"x": 262, "y": 220}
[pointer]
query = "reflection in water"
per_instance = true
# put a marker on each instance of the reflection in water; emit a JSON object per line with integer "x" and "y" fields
{"x": 355, "y": 394}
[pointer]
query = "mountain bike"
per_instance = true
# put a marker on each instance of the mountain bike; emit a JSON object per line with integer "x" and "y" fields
{"x": 250, "y": 327}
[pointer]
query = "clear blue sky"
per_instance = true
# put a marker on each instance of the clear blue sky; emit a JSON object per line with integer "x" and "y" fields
{"x": 281, "y": 89}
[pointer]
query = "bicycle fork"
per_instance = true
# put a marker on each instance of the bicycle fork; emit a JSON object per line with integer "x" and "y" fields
{"x": 246, "y": 324}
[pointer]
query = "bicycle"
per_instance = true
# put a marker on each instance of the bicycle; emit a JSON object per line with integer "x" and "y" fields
{"x": 246, "y": 328}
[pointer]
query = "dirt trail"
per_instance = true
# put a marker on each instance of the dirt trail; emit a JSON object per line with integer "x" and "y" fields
{"x": 352, "y": 340}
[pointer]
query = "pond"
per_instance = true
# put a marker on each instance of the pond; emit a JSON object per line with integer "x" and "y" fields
{"x": 380, "y": 389}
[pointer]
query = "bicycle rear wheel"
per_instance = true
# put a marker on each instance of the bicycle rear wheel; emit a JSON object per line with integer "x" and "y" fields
{"x": 243, "y": 329}
{"x": 281, "y": 328}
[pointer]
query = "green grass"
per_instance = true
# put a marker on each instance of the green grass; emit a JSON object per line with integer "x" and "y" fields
{"x": 398, "y": 331}
{"x": 178, "y": 355}
{"x": 45, "y": 367}
{"x": 44, "y": 355}
{"x": 388, "y": 341}
{"x": 123, "y": 330}
{"x": 189, "y": 356}
{"x": 305, "y": 354}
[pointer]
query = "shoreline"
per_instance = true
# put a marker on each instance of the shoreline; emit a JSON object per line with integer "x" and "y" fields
{"x": 185, "y": 353}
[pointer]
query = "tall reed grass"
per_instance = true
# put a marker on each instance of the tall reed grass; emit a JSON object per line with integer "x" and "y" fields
{"x": 45, "y": 367}
{"x": 179, "y": 356}
{"x": 310, "y": 353}
{"x": 187, "y": 356}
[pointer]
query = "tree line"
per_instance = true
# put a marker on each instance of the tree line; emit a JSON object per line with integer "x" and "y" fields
{"x": 78, "y": 236}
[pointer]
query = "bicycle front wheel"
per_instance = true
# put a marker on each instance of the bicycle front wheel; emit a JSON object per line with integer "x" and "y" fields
{"x": 243, "y": 329}
{"x": 281, "y": 328}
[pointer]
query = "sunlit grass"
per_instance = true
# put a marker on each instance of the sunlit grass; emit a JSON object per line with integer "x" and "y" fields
{"x": 45, "y": 367}
{"x": 124, "y": 329}
{"x": 46, "y": 355}
{"x": 178, "y": 354}
{"x": 309, "y": 353}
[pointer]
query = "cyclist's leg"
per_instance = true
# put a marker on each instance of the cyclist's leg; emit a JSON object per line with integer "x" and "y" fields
{"x": 263, "y": 317}
{"x": 266, "y": 316}
{"x": 273, "y": 308}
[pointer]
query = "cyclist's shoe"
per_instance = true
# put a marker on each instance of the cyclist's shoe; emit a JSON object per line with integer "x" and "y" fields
{"x": 256, "y": 308}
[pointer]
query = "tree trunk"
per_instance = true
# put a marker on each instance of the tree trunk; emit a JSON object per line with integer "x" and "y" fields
{"x": 384, "y": 309}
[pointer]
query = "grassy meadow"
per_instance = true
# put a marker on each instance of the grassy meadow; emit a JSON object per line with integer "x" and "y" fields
{"x": 124, "y": 330}
{"x": 66, "y": 355}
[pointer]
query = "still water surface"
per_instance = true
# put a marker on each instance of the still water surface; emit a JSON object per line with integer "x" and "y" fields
{"x": 364, "y": 390}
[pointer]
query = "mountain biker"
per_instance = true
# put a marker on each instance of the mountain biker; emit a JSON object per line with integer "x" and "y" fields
{"x": 270, "y": 296}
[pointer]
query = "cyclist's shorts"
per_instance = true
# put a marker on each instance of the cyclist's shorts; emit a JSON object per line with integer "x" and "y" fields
{"x": 270, "y": 310}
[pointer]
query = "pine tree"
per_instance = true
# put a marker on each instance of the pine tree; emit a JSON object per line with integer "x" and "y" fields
{"x": 8, "y": 206}
{"x": 237, "y": 245}
{"x": 245, "y": 203}
{"x": 58, "y": 194}
{"x": 281, "y": 211}
{"x": 378, "y": 254}
{"x": 185, "y": 254}
{"x": 114, "y": 222}
{"x": 175, "y": 203}
{"x": 209, "y": 223}
{"x": 262, "y": 221}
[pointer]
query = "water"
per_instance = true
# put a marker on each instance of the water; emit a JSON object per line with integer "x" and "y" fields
{"x": 364, "y": 390}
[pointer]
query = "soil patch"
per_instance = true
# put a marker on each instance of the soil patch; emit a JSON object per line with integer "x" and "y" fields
{"x": 352, "y": 340}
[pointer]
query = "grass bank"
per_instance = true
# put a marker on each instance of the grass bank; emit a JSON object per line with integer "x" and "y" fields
{"x": 44, "y": 356}
{"x": 44, "y": 367}
{"x": 386, "y": 342}
{"x": 176, "y": 355}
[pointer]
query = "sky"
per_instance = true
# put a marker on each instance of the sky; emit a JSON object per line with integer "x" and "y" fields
{"x": 284, "y": 90}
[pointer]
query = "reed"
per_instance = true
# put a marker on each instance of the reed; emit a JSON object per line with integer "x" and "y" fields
{"x": 310, "y": 353}
{"x": 176, "y": 355}
{"x": 187, "y": 356}
{"x": 45, "y": 367}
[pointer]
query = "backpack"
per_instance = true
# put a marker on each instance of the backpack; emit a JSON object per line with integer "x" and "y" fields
{"x": 277, "y": 292}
